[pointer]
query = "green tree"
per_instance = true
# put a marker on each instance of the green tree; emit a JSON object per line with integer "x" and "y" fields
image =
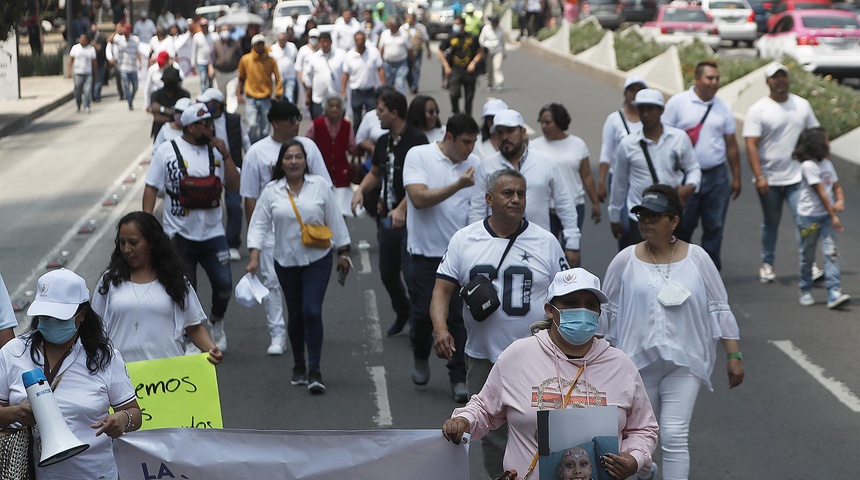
{"x": 12, "y": 14}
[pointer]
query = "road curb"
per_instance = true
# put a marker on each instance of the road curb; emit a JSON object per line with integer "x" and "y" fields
{"x": 28, "y": 118}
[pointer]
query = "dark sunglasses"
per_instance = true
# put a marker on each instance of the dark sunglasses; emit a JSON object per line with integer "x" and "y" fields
{"x": 651, "y": 217}
{"x": 433, "y": 111}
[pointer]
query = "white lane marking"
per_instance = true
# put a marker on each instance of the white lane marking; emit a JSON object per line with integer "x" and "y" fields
{"x": 837, "y": 388}
{"x": 372, "y": 313}
{"x": 93, "y": 212}
{"x": 364, "y": 261}
{"x": 383, "y": 407}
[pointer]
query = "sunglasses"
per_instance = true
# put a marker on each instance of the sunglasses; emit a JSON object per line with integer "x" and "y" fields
{"x": 295, "y": 118}
{"x": 651, "y": 217}
{"x": 206, "y": 123}
{"x": 433, "y": 111}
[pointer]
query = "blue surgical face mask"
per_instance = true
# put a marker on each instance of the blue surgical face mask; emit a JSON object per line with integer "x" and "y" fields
{"x": 56, "y": 331}
{"x": 455, "y": 29}
{"x": 577, "y": 325}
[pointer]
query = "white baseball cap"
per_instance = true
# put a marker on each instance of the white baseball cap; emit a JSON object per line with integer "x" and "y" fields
{"x": 634, "y": 80}
{"x": 507, "y": 118}
{"x": 182, "y": 104}
{"x": 314, "y": 33}
{"x": 258, "y": 38}
{"x": 211, "y": 95}
{"x": 59, "y": 294}
{"x": 494, "y": 106}
{"x": 195, "y": 113}
{"x": 649, "y": 96}
{"x": 574, "y": 280}
{"x": 773, "y": 68}
{"x": 250, "y": 291}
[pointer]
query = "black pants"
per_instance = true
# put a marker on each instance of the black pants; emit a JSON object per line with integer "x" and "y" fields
{"x": 422, "y": 279}
{"x": 363, "y": 101}
{"x": 534, "y": 22}
{"x": 393, "y": 260}
{"x": 461, "y": 79}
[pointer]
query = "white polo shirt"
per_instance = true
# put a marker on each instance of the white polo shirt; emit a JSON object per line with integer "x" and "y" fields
{"x": 83, "y": 398}
{"x": 430, "y": 229}
{"x": 685, "y": 110}
{"x": 673, "y": 158}
{"x": 323, "y": 72}
{"x": 544, "y": 182}
{"x": 395, "y": 46}
{"x": 777, "y": 126}
{"x": 362, "y": 68}
{"x": 616, "y": 127}
{"x": 84, "y": 56}
{"x": 343, "y": 33}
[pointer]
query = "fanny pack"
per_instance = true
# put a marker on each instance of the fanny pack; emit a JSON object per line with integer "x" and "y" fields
{"x": 479, "y": 295}
{"x": 314, "y": 236}
{"x": 198, "y": 192}
{"x": 693, "y": 132}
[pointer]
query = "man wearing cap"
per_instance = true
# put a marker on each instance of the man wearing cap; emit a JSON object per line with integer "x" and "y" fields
{"x": 224, "y": 58}
{"x": 439, "y": 179}
{"x": 380, "y": 14}
{"x": 229, "y": 127}
{"x": 201, "y": 47}
{"x": 154, "y": 80}
{"x": 127, "y": 57}
{"x": 302, "y": 58}
{"x": 163, "y": 99}
{"x": 362, "y": 75}
{"x": 460, "y": 55}
{"x": 492, "y": 37}
{"x": 198, "y": 233}
{"x": 256, "y": 173}
{"x": 471, "y": 22}
{"x": 323, "y": 74}
{"x": 618, "y": 124}
{"x": 257, "y": 72}
{"x": 710, "y": 124}
{"x": 657, "y": 154}
{"x": 771, "y": 129}
{"x": 161, "y": 42}
{"x": 521, "y": 259}
{"x": 344, "y": 30}
{"x": 173, "y": 128}
{"x": 488, "y": 143}
{"x": 542, "y": 176}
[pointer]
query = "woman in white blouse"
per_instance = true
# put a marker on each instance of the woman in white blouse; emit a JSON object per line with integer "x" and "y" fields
{"x": 667, "y": 308}
{"x": 144, "y": 299}
{"x": 303, "y": 271}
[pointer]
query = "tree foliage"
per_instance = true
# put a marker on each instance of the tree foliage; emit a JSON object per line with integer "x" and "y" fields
{"x": 12, "y": 14}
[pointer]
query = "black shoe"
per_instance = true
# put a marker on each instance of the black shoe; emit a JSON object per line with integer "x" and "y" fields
{"x": 300, "y": 375}
{"x": 316, "y": 385}
{"x": 397, "y": 326}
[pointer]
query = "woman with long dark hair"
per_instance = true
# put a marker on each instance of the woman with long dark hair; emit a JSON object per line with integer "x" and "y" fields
{"x": 423, "y": 114}
{"x": 88, "y": 376}
{"x": 144, "y": 298}
{"x": 294, "y": 198}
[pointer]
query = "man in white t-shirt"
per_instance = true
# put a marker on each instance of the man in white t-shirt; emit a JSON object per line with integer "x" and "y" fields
{"x": 256, "y": 173}
{"x": 82, "y": 66}
{"x": 439, "y": 179}
{"x": 322, "y": 74}
{"x": 771, "y": 129}
{"x": 657, "y": 154}
{"x": 543, "y": 177}
{"x": 710, "y": 124}
{"x": 521, "y": 259}
{"x": 144, "y": 27}
{"x": 395, "y": 46}
{"x": 198, "y": 233}
{"x": 344, "y": 30}
{"x": 362, "y": 75}
{"x": 201, "y": 47}
{"x": 284, "y": 51}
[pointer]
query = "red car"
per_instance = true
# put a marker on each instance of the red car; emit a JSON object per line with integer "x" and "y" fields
{"x": 788, "y": 5}
{"x": 678, "y": 23}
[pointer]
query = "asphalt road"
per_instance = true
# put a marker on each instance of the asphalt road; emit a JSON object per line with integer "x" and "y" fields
{"x": 795, "y": 417}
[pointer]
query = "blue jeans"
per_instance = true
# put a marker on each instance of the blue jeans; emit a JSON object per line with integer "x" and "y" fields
{"x": 83, "y": 89}
{"x": 416, "y": 71}
{"x": 363, "y": 100}
{"x": 771, "y": 205}
{"x": 256, "y": 112}
{"x": 129, "y": 86}
{"x": 100, "y": 80}
{"x": 304, "y": 290}
{"x": 203, "y": 73}
{"x": 810, "y": 230}
{"x": 213, "y": 256}
{"x": 396, "y": 74}
{"x": 233, "y": 230}
{"x": 711, "y": 203}
{"x": 392, "y": 261}
{"x": 555, "y": 225}
{"x": 421, "y": 278}
{"x": 290, "y": 85}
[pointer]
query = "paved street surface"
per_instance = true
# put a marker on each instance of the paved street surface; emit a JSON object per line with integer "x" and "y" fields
{"x": 795, "y": 417}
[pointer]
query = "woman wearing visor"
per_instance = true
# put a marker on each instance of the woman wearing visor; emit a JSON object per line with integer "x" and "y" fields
{"x": 674, "y": 344}
{"x": 67, "y": 341}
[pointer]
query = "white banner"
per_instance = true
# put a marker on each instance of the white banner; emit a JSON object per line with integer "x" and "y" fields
{"x": 9, "y": 68}
{"x": 196, "y": 454}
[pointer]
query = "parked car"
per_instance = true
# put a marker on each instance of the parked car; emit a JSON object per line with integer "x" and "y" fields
{"x": 440, "y": 17}
{"x": 281, "y": 18}
{"x": 612, "y": 13}
{"x": 789, "y": 5}
{"x": 679, "y": 23}
{"x": 213, "y": 12}
{"x": 761, "y": 8}
{"x": 823, "y": 41}
{"x": 735, "y": 19}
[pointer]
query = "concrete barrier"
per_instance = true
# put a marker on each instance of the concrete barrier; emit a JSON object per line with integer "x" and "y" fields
{"x": 559, "y": 42}
{"x": 602, "y": 53}
{"x": 662, "y": 72}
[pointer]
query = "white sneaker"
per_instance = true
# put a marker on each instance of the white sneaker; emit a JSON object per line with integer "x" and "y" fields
{"x": 817, "y": 273}
{"x": 766, "y": 273}
{"x": 278, "y": 345}
{"x": 235, "y": 256}
{"x": 806, "y": 299}
{"x": 191, "y": 349}
{"x": 216, "y": 330}
{"x": 837, "y": 298}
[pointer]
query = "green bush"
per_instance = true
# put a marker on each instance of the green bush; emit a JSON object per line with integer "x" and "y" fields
{"x": 631, "y": 50}
{"x": 547, "y": 32}
{"x": 731, "y": 69}
{"x": 41, "y": 65}
{"x": 837, "y": 107}
{"x": 585, "y": 36}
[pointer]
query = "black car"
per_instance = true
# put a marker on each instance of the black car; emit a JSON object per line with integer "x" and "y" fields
{"x": 612, "y": 13}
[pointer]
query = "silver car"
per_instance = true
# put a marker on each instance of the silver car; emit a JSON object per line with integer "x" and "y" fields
{"x": 735, "y": 19}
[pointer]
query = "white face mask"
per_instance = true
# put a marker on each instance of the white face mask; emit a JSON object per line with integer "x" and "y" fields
{"x": 313, "y": 41}
{"x": 224, "y": 34}
{"x": 455, "y": 29}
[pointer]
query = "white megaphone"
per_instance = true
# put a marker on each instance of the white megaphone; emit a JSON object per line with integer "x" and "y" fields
{"x": 58, "y": 442}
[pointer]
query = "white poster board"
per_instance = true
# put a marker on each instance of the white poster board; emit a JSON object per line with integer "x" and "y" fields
{"x": 9, "y": 68}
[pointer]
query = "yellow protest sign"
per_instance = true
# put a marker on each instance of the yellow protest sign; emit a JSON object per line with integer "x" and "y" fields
{"x": 177, "y": 392}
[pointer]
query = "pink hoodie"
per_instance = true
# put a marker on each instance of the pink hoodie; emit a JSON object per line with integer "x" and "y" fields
{"x": 526, "y": 379}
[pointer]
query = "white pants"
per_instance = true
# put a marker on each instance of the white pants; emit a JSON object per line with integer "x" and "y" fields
{"x": 495, "y": 76}
{"x": 274, "y": 303}
{"x": 672, "y": 390}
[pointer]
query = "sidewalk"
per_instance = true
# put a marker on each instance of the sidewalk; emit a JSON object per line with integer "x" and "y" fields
{"x": 39, "y": 95}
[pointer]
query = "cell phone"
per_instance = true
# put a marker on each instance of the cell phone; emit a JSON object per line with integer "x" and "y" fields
{"x": 341, "y": 276}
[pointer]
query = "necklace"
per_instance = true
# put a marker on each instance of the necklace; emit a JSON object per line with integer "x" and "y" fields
{"x": 138, "y": 298}
{"x": 668, "y": 265}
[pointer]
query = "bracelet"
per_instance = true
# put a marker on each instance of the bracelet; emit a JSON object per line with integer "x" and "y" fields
{"x": 129, "y": 424}
{"x": 737, "y": 355}
{"x": 344, "y": 255}
{"x": 760, "y": 177}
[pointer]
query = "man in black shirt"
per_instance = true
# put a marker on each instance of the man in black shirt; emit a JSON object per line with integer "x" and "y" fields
{"x": 165, "y": 98}
{"x": 388, "y": 158}
{"x": 462, "y": 53}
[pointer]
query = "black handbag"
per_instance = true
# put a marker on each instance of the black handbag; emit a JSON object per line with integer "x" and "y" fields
{"x": 479, "y": 295}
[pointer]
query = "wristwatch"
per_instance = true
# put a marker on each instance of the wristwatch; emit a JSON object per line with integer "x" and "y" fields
{"x": 161, "y": 109}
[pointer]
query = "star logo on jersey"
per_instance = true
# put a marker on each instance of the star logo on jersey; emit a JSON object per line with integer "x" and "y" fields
{"x": 525, "y": 256}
